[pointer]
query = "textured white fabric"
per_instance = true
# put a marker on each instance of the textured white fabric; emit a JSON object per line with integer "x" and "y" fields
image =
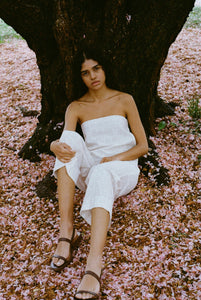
{"x": 105, "y": 182}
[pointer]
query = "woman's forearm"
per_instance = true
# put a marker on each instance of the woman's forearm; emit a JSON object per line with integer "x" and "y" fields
{"x": 133, "y": 153}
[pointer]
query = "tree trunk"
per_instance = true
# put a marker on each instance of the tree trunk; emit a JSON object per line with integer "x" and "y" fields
{"x": 136, "y": 36}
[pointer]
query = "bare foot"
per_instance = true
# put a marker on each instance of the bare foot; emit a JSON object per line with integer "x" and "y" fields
{"x": 88, "y": 282}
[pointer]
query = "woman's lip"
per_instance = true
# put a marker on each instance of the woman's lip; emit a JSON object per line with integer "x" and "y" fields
{"x": 95, "y": 82}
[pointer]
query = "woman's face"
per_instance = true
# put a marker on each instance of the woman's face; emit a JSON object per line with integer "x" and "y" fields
{"x": 92, "y": 74}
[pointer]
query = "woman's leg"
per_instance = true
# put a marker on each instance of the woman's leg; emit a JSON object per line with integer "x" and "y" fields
{"x": 66, "y": 191}
{"x": 99, "y": 225}
{"x": 69, "y": 174}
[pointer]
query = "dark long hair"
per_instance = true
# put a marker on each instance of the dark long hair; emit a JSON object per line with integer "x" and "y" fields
{"x": 89, "y": 52}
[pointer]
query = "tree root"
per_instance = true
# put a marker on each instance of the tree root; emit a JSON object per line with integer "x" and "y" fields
{"x": 151, "y": 167}
{"x": 162, "y": 109}
{"x": 46, "y": 188}
{"x": 40, "y": 141}
{"x": 28, "y": 113}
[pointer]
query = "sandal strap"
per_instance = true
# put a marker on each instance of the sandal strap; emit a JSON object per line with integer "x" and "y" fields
{"x": 60, "y": 257}
{"x": 63, "y": 239}
{"x": 73, "y": 234}
{"x": 93, "y": 274}
{"x": 87, "y": 292}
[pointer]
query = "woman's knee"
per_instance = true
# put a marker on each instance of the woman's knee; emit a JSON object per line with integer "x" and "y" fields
{"x": 73, "y": 139}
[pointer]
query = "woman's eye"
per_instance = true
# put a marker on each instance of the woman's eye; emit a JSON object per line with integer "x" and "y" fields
{"x": 97, "y": 68}
{"x": 85, "y": 73}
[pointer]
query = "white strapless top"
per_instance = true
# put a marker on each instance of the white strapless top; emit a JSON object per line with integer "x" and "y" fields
{"x": 107, "y": 136}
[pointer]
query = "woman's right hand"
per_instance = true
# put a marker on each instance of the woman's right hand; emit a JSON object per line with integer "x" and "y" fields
{"x": 62, "y": 151}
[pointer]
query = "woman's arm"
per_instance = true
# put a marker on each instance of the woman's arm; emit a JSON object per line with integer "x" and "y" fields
{"x": 137, "y": 129}
{"x": 62, "y": 151}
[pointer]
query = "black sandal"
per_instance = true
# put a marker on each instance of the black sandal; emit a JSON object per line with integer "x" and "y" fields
{"x": 74, "y": 241}
{"x": 95, "y": 296}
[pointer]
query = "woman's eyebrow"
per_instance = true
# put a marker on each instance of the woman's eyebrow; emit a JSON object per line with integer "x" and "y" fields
{"x": 91, "y": 68}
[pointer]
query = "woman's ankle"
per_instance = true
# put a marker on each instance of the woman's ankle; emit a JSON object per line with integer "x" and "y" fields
{"x": 94, "y": 263}
{"x": 66, "y": 230}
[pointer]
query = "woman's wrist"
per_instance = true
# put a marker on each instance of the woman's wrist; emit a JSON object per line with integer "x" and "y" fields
{"x": 117, "y": 157}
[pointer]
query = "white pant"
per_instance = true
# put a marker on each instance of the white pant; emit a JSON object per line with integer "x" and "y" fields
{"x": 102, "y": 183}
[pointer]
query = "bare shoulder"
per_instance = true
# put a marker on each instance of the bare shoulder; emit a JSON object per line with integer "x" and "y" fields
{"x": 72, "y": 111}
{"x": 127, "y": 102}
{"x": 72, "y": 108}
{"x": 73, "y": 105}
{"x": 126, "y": 98}
{"x": 71, "y": 116}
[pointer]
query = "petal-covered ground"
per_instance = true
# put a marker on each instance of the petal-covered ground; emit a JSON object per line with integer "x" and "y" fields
{"x": 153, "y": 249}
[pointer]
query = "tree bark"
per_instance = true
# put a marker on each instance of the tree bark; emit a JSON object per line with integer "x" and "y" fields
{"x": 136, "y": 36}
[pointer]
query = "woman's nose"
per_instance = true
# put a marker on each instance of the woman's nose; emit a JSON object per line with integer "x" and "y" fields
{"x": 92, "y": 74}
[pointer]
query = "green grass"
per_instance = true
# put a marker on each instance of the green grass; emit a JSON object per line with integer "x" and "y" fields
{"x": 7, "y": 32}
{"x": 194, "y": 18}
{"x": 194, "y": 109}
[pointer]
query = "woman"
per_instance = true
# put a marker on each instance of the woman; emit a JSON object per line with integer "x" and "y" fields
{"x": 104, "y": 164}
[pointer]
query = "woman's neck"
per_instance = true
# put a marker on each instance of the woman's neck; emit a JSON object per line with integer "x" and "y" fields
{"x": 100, "y": 94}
